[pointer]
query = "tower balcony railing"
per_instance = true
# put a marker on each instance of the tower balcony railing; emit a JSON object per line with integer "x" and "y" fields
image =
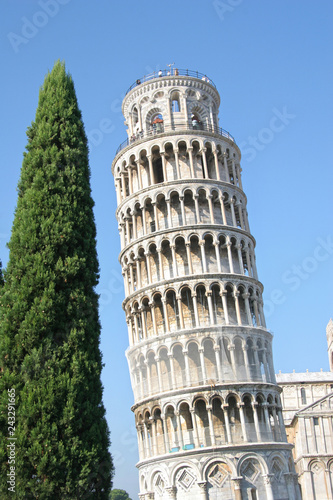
{"x": 160, "y": 129}
{"x": 171, "y": 72}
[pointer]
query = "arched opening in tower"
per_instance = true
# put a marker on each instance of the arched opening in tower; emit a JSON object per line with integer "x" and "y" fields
{"x": 196, "y": 122}
{"x": 158, "y": 170}
{"x": 175, "y": 102}
{"x": 157, "y": 123}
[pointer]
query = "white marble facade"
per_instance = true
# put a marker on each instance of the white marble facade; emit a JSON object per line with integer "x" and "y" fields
{"x": 207, "y": 407}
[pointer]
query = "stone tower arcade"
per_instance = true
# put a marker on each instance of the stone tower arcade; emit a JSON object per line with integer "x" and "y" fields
{"x": 206, "y": 404}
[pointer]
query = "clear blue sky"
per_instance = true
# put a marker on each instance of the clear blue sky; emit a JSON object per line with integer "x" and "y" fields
{"x": 267, "y": 59}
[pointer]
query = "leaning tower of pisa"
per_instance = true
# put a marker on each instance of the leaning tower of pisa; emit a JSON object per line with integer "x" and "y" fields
{"x": 206, "y": 404}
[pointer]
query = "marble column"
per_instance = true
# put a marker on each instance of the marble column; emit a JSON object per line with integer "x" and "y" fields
{"x": 191, "y": 162}
{"x": 151, "y": 170}
{"x": 216, "y": 160}
{"x": 177, "y": 164}
{"x": 224, "y": 217}
{"x": 204, "y": 160}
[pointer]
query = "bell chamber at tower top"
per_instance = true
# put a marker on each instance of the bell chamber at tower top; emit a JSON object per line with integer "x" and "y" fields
{"x": 164, "y": 102}
{"x": 171, "y": 101}
{"x": 173, "y": 134}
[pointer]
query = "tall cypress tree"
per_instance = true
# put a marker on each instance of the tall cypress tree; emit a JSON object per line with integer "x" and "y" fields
{"x": 49, "y": 326}
{"x": 1, "y": 275}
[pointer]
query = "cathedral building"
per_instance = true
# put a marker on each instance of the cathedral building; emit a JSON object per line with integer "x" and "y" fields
{"x": 207, "y": 406}
{"x": 307, "y": 401}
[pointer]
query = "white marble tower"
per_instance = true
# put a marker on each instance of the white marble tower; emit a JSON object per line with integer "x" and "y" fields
{"x": 206, "y": 404}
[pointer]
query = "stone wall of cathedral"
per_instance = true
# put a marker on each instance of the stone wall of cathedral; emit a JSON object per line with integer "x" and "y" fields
{"x": 307, "y": 401}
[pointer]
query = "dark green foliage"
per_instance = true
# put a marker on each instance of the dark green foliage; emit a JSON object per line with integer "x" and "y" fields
{"x": 119, "y": 495}
{"x": 1, "y": 275}
{"x": 49, "y": 326}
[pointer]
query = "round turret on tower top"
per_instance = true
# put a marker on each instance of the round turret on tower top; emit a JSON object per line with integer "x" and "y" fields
{"x": 171, "y": 99}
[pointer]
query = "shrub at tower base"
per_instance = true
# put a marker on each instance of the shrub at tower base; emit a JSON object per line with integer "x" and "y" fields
{"x": 50, "y": 358}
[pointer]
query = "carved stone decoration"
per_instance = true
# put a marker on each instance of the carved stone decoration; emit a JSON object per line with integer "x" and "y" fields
{"x": 185, "y": 478}
{"x": 159, "y": 483}
{"x": 316, "y": 467}
{"x": 250, "y": 471}
{"x": 277, "y": 471}
{"x": 218, "y": 474}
